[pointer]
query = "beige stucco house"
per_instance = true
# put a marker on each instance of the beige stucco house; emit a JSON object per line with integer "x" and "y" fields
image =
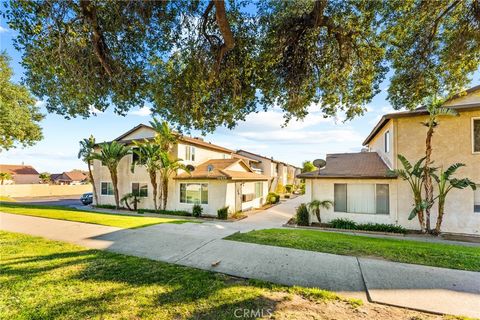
{"x": 364, "y": 192}
{"x": 217, "y": 180}
{"x": 276, "y": 171}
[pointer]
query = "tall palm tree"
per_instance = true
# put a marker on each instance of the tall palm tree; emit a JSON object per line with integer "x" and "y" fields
{"x": 316, "y": 205}
{"x": 413, "y": 174}
{"x": 164, "y": 136}
{"x": 110, "y": 155}
{"x": 149, "y": 155}
{"x": 87, "y": 148}
{"x": 168, "y": 168}
{"x": 446, "y": 183}
{"x": 5, "y": 176}
{"x": 435, "y": 110}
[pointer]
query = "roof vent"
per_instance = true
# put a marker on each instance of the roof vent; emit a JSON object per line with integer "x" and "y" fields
{"x": 198, "y": 138}
{"x": 209, "y": 168}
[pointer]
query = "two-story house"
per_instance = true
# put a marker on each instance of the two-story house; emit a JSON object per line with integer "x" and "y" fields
{"x": 277, "y": 171}
{"x": 362, "y": 190}
{"x": 216, "y": 179}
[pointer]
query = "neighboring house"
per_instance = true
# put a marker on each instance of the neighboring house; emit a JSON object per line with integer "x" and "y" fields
{"x": 277, "y": 171}
{"x": 362, "y": 191}
{"x": 21, "y": 174}
{"x": 217, "y": 179}
{"x": 71, "y": 177}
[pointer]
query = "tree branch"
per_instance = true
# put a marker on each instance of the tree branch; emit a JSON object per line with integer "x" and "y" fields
{"x": 98, "y": 40}
{"x": 224, "y": 26}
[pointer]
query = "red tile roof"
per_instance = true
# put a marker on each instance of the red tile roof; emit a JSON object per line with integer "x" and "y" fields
{"x": 220, "y": 169}
{"x": 17, "y": 169}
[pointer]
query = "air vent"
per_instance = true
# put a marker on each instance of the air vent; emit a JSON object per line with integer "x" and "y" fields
{"x": 190, "y": 168}
{"x": 209, "y": 168}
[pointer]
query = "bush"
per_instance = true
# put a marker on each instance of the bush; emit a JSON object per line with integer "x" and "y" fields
{"x": 197, "y": 210}
{"x": 379, "y": 227}
{"x": 287, "y": 196}
{"x": 302, "y": 188}
{"x": 105, "y": 206}
{"x": 222, "y": 213}
{"x": 169, "y": 212}
{"x": 343, "y": 224}
{"x": 302, "y": 216}
{"x": 273, "y": 198}
{"x": 289, "y": 188}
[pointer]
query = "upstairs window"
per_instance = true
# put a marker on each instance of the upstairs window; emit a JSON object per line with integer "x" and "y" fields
{"x": 190, "y": 153}
{"x": 476, "y": 135}
{"x": 387, "y": 141}
{"x": 140, "y": 189}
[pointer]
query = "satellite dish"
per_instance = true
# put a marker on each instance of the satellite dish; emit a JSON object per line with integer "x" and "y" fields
{"x": 190, "y": 168}
{"x": 319, "y": 163}
{"x": 209, "y": 168}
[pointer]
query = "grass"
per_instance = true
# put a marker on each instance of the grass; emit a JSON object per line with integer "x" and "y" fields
{"x": 70, "y": 214}
{"x": 43, "y": 279}
{"x": 407, "y": 251}
{"x": 5, "y": 198}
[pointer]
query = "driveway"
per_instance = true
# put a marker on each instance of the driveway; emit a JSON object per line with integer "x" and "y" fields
{"x": 201, "y": 246}
{"x": 66, "y": 201}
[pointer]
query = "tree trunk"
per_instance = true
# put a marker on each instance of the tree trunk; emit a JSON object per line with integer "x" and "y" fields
{"x": 428, "y": 186}
{"x": 165, "y": 192}
{"x": 113, "y": 173}
{"x": 420, "y": 216}
{"x": 153, "y": 181}
{"x": 90, "y": 174}
{"x": 441, "y": 208}
{"x": 317, "y": 213}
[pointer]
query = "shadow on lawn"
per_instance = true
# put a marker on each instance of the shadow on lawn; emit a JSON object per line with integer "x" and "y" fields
{"x": 92, "y": 283}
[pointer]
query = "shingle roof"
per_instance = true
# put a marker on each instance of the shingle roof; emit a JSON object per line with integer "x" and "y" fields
{"x": 17, "y": 169}
{"x": 221, "y": 170}
{"x": 362, "y": 165}
{"x": 263, "y": 157}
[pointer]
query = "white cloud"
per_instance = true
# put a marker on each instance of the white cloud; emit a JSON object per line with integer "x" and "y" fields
{"x": 4, "y": 30}
{"x": 40, "y": 103}
{"x": 143, "y": 112}
{"x": 94, "y": 111}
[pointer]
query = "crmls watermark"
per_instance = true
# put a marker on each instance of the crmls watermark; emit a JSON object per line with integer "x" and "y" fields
{"x": 252, "y": 313}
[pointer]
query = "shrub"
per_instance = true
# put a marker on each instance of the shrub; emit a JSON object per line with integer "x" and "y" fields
{"x": 273, "y": 198}
{"x": 289, "y": 188}
{"x": 105, "y": 206}
{"x": 379, "y": 227}
{"x": 197, "y": 210}
{"x": 343, "y": 224}
{"x": 169, "y": 212}
{"x": 222, "y": 213}
{"x": 302, "y": 216}
{"x": 302, "y": 188}
{"x": 287, "y": 196}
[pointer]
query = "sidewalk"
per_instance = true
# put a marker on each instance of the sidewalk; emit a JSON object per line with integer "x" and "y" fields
{"x": 202, "y": 246}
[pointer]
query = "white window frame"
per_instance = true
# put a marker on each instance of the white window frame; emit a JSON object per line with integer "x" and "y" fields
{"x": 473, "y": 135}
{"x": 189, "y": 152}
{"x": 187, "y": 183}
{"x": 386, "y": 142}
{"x": 107, "y": 195}
{"x": 139, "y": 183}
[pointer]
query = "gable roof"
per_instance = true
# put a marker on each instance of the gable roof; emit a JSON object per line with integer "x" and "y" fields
{"x": 17, "y": 169}
{"x": 221, "y": 170}
{"x": 182, "y": 138}
{"x": 361, "y": 165}
{"x": 263, "y": 157}
{"x": 421, "y": 111}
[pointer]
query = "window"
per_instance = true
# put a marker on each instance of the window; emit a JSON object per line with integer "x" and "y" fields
{"x": 137, "y": 158}
{"x": 194, "y": 193}
{"x": 258, "y": 189}
{"x": 387, "y": 141}
{"x": 476, "y": 135}
{"x": 476, "y": 199}
{"x": 107, "y": 189}
{"x": 362, "y": 198}
{"x": 140, "y": 189}
{"x": 189, "y": 153}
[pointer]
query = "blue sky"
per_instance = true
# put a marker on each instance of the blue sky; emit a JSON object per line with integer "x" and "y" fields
{"x": 261, "y": 132}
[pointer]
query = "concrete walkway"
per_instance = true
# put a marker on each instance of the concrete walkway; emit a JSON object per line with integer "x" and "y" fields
{"x": 201, "y": 246}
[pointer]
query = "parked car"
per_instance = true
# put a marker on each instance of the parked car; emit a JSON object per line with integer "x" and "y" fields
{"x": 87, "y": 198}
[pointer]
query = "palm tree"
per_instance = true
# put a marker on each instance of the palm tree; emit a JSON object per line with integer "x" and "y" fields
{"x": 149, "y": 155}
{"x": 45, "y": 177}
{"x": 169, "y": 167}
{"x": 413, "y": 174}
{"x": 445, "y": 184}
{"x": 164, "y": 136}
{"x": 435, "y": 110}
{"x": 87, "y": 146}
{"x": 5, "y": 176}
{"x": 110, "y": 155}
{"x": 315, "y": 206}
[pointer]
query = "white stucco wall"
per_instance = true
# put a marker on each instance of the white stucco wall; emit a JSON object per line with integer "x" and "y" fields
{"x": 378, "y": 144}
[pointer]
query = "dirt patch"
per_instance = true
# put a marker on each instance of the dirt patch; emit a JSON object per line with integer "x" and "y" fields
{"x": 290, "y": 306}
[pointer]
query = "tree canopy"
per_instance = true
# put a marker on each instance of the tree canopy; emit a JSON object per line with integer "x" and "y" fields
{"x": 19, "y": 117}
{"x": 202, "y": 64}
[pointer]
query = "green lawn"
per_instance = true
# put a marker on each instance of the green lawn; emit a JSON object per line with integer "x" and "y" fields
{"x": 114, "y": 220}
{"x": 43, "y": 279}
{"x": 431, "y": 254}
{"x": 5, "y": 198}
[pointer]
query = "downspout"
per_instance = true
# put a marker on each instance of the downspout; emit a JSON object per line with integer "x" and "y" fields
{"x": 395, "y": 162}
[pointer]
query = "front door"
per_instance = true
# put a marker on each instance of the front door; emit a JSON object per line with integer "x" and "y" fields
{"x": 238, "y": 196}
